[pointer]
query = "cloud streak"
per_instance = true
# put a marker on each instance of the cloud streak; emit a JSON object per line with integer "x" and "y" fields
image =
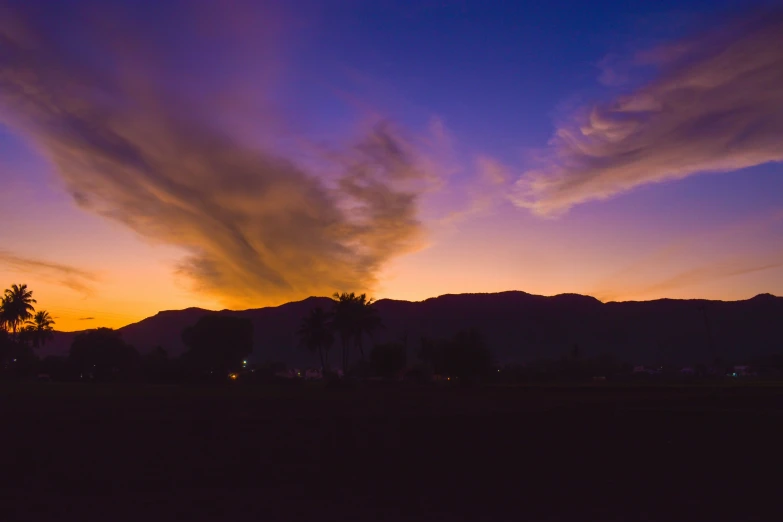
{"x": 140, "y": 146}
{"x": 486, "y": 191}
{"x": 710, "y": 272}
{"x": 671, "y": 260}
{"x": 716, "y": 105}
{"x": 76, "y": 279}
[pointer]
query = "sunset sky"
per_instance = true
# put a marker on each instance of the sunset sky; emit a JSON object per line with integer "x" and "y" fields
{"x": 238, "y": 154}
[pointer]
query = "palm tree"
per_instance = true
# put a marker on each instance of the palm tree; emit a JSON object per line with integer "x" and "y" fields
{"x": 41, "y": 328}
{"x": 17, "y": 307}
{"x": 316, "y": 334}
{"x": 354, "y": 316}
{"x": 367, "y": 320}
{"x": 3, "y": 315}
{"x": 343, "y": 322}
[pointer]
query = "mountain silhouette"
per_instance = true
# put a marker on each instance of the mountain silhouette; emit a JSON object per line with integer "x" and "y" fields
{"x": 518, "y": 327}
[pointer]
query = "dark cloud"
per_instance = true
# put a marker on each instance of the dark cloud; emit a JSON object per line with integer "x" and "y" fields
{"x": 139, "y": 144}
{"x": 716, "y": 105}
{"x": 86, "y": 319}
{"x": 76, "y": 279}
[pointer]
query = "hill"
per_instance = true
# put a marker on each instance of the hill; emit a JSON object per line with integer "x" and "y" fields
{"x": 518, "y": 327}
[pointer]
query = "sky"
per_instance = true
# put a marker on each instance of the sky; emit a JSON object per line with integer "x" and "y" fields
{"x": 237, "y": 154}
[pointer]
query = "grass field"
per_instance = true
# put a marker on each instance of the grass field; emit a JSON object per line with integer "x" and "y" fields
{"x": 603, "y": 452}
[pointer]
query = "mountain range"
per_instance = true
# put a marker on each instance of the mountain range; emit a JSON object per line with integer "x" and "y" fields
{"x": 517, "y": 326}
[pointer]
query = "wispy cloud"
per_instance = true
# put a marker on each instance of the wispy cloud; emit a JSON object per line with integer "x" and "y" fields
{"x": 706, "y": 273}
{"x": 614, "y": 71}
{"x": 715, "y": 106}
{"x": 134, "y": 142}
{"x": 86, "y": 319}
{"x": 76, "y": 279}
{"x": 485, "y": 191}
{"x": 689, "y": 262}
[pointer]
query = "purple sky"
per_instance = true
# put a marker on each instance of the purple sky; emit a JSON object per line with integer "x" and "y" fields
{"x": 158, "y": 155}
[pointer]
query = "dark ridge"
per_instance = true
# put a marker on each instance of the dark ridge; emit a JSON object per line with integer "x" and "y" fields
{"x": 518, "y": 327}
{"x": 765, "y": 297}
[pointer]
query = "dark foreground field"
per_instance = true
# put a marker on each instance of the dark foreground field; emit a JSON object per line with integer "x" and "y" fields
{"x": 72, "y": 452}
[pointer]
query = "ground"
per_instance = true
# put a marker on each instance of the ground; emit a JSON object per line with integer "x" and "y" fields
{"x": 603, "y": 452}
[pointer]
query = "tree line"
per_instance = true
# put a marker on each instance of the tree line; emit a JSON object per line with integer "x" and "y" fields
{"x": 218, "y": 345}
{"x": 22, "y": 328}
{"x": 19, "y": 318}
{"x": 354, "y": 319}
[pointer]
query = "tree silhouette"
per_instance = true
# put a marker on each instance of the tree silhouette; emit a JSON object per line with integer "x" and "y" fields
{"x": 464, "y": 356}
{"x": 367, "y": 320}
{"x": 388, "y": 359}
{"x": 40, "y": 328}
{"x": 26, "y": 336}
{"x": 343, "y": 323}
{"x": 5, "y": 346}
{"x": 101, "y": 354}
{"x": 58, "y": 368}
{"x": 217, "y": 344}
{"x": 16, "y": 357}
{"x": 156, "y": 365}
{"x": 5, "y": 314}
{"x": 315, "y": 333}
{"x": 17, "y": 307}
{"x": 354, "y": 316}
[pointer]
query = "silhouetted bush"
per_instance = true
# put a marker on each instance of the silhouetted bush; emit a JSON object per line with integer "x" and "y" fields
{"x": 345, "y": 384}
{"x": 156, "y": 367}
{"x": 388, "y": 360}
{"x": 17, "y": 360}
{"x": 464, "y": 356}
{"x": 571, "y": 368}
{"x": 102, "y": 355}
{"x": 5, "y": 346}
{"x": 267, "y": 373}
{"x": 58, "y": 368}
{"x": 418, "y": 375}
{"x": 769, "y": 366}
{"x": 217, "y": 344}
{"x": 361, "y": 370}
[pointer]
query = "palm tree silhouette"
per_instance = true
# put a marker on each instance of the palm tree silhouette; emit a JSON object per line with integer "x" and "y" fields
{"x": 354, "y": 316}
{"x": 343, "y": 322}
{"x": 17, "y": 307}
{"x": 41, "y": 328}
{"x": 367, "y": 320}
{"x": 316, "y": 334}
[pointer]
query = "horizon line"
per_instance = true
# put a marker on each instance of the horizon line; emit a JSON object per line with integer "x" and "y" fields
{"x": 429, "y": 299}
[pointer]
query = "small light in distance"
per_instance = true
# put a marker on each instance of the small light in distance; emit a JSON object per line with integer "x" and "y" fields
{"x": 233, "y": 376}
